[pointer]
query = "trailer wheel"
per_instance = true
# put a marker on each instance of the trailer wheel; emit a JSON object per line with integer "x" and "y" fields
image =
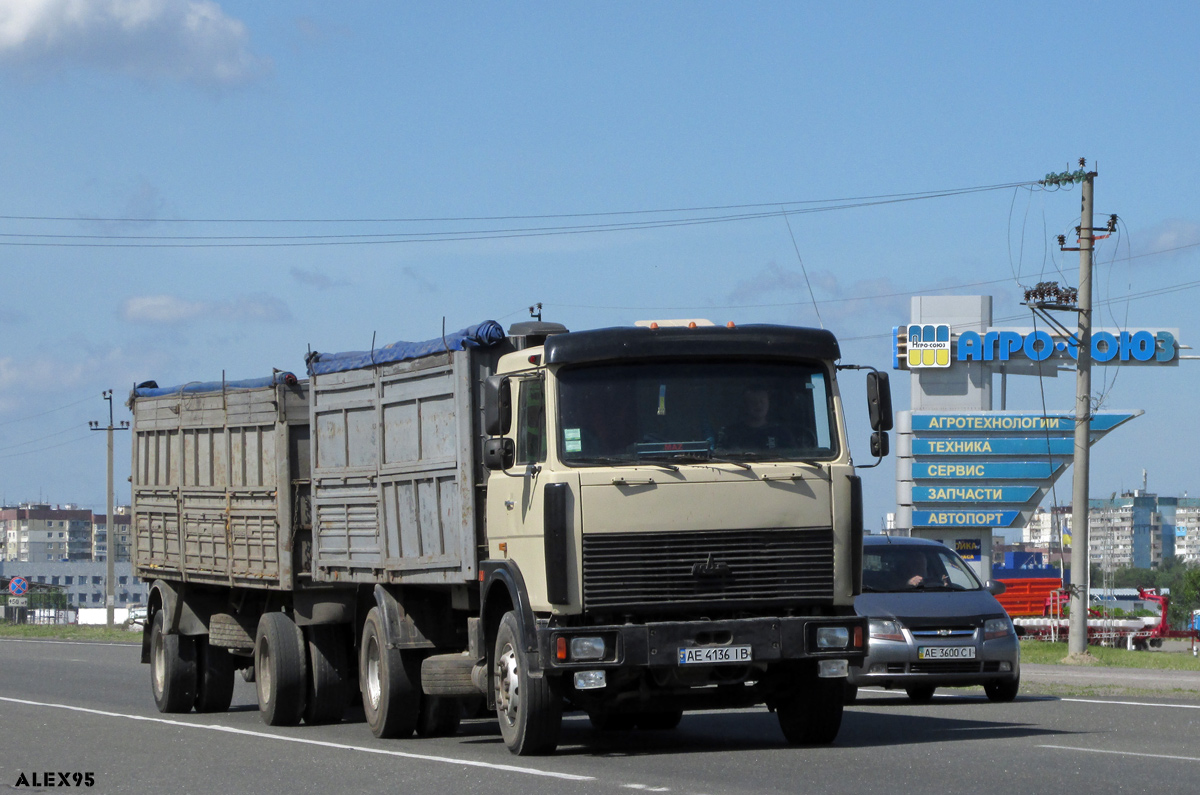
{"x": 814, "y": 715}
{"x": 391, "y": 699}
{"x": 440, "y": 716}
{"x": 326, "y": 701}
{"x": 529, "y": 709}
{"x": 280, "y": 672}
{"x": 1002, "y": 691}
{"x": 214, "y": 677}
{"x": 172, "y": 668}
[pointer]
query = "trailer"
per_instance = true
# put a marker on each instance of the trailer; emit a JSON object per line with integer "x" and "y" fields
{"x": 1138, "y": 633}
{"x": 632, "y": 522}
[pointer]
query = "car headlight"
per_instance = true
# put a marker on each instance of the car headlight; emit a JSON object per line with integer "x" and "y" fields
{"x": 996, "y": 628}
{"x": 886, "y": 630}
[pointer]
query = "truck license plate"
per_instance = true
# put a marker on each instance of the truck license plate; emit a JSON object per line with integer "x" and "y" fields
{"x": 945, "y": 652}
{"x": 710, "y": 655}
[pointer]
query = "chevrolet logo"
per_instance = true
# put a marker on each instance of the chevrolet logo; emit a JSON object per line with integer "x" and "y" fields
{"x": 944, "y": 633}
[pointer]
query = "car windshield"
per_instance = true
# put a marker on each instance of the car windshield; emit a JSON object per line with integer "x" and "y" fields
{"x": 908, "y": 567}
{"x": 695, "y": 411}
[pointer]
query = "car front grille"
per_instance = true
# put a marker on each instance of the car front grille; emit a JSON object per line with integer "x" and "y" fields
{"x": 624, "y": 570}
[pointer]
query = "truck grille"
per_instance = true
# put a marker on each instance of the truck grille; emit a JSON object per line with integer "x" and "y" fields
{"x": 706, "y": 567}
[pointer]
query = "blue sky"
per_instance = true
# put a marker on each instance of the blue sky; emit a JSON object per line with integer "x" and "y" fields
{"x": 314, "y": 119}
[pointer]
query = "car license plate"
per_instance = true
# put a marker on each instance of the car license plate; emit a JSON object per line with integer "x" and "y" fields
{"x": 945, "y": 652}
{"x": 711, "y": 655}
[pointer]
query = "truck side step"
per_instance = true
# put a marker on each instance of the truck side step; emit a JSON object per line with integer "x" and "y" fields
{"x": 449, "y": 675}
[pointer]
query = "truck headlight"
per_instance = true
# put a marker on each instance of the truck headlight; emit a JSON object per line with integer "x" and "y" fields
{"x": 587, "y": 648}
{"x": 833, "y": 637}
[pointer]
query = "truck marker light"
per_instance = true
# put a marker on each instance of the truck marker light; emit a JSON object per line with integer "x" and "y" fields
{"x": 730, "y": 325}
{"x": 692, "y": 324}
{"x": 560, "y": 648}
{"x": 503, "y": 545}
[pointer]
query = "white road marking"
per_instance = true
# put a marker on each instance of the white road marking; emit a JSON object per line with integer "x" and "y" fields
{"x": 1131, "y": 703}
{"x": 1120, "y": 753}
{"x": 129, "y": 644}
{"x": 531, "y": 771}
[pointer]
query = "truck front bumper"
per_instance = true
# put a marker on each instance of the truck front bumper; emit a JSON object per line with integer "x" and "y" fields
{"x": 664, "y": 643}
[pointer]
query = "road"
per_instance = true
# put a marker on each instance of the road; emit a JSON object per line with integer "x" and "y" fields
{"x": 84, "y": 707}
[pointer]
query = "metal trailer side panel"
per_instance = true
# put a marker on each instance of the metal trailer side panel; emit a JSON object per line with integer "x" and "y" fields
{"x": 212, "y": 486}
{"x": 393, "y": 457}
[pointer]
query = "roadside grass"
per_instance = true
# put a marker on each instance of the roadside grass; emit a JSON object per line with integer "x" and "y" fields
{"x": 1046, "y": 653}
{"x": 69, "y": 632}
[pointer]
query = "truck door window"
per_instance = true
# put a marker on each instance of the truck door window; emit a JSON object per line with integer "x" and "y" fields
{"x": 531, "y": 422}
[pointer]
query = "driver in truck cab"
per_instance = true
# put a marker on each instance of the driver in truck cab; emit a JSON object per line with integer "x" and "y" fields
{"x": 755, "y": 430}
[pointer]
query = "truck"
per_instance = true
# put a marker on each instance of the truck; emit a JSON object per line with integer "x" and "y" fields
{"x": 632, "y": 522}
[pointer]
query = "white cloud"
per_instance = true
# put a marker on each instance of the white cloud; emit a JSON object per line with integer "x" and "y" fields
{"x": 188, "y": 40}
{"x": 173, "y": 310}
{"x": 1168, "y": 237}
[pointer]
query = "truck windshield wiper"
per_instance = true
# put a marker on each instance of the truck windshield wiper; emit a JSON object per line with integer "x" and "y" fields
{"x": 620, "y": 462}
{"x": 689, "y": 457}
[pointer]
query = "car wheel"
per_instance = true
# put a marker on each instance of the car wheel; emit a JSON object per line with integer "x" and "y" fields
{"x": 920, "y": 695}
{"x": 1002, "y": 691}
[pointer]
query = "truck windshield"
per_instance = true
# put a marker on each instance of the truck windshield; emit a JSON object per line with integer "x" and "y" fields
{"x": 693, "y": 411}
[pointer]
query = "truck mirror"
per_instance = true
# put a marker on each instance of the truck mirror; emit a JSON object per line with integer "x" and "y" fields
{"x": 879, "y": 444}
{"x": 879, "y": 401}
{"x": 499, "y": 452}
{"x": 497, "y": 406}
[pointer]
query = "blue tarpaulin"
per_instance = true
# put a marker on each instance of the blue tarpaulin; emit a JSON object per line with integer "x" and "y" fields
{"x": 481, "y": 335}
{"x": 280, "y": 377}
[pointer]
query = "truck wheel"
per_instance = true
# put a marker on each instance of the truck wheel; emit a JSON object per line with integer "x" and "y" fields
{"x": 439, "y": 716}
{"x": 172, "y": 668}
{"x": 214, "y": 677}
{"x": 920, "y": 695}
{"x": 326, "y": 701}
{"x": 280, "y": 672}
{"x": 660, "y": 720}
{"x": 849, "y": 693}
{"x": 529, "y": 709}
{"x": 813, "y": 716}
{"x": 1002, "y": 691}
{"x": 391, "y": 698}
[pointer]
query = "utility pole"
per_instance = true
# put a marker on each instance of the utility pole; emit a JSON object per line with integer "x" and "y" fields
{"x": 110, "y": 547}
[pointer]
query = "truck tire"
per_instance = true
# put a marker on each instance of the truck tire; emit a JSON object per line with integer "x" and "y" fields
{"x": 659, "y": 720}
{"x": 813, "y": 716}
{"x": 849, "y": 693}
{"x": 391, "y": 697}
{"x": 1003, "y": 691}
{"x": 172, "y": 668}
{"x": 281, "y": 675}
{"x": 326, "y": 697}
{"x": 920, "y": 695}
{"x": 440, "y": 716}
{"x": 448, "y": 675}
{"x": 529, "y": 709}
{"x": 214, "y": 677}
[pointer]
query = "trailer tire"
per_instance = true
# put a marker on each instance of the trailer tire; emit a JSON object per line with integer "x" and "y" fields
{"x": 813, "y": 716}
{"x": 326, "y": 697}
{"x": 440, "y": 716}
{"x": 391, "y": 696}
{"x": 529, "y": 709}
{"x": 214, "y": 677}
{"x": 172, "y": 668}
{"x": 1003, "y": 691}
{"x": 281, "y": 675}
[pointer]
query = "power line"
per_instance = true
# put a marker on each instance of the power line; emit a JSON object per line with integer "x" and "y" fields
{"x": 544, "y": 216}
{"x": 44, "y": 413}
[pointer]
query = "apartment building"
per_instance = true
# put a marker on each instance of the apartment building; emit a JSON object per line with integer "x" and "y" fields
{"x": 39, "y": 533}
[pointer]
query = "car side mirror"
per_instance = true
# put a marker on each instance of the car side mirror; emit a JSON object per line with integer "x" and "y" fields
{"x": 995, "y": 587}
{"x": 497, "y": 406}
{"x": 499, "y": 452}
{"x": 879, "y": 400}
{"x": 879, "y": 444}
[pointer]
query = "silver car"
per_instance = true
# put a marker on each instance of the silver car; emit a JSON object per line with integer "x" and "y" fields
{"x": 932, "y": 623}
